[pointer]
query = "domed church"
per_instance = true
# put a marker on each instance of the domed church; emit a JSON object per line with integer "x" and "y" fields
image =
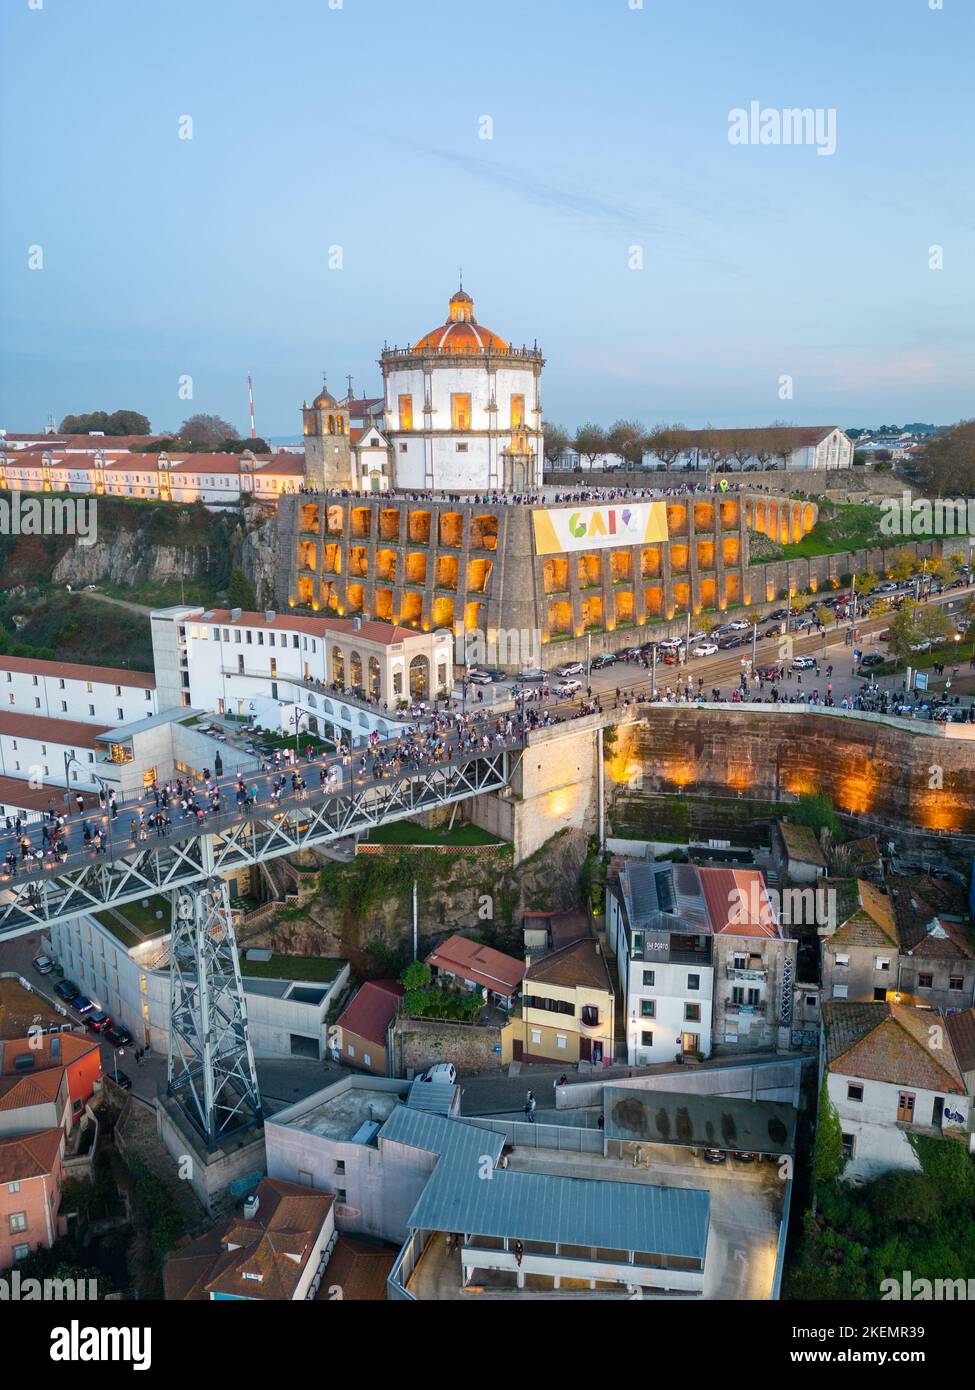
{"x": 463, "y": 408}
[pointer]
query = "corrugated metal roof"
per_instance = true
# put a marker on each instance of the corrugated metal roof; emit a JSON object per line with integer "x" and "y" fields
{"x": 435, "y": 1097}
{"x": 719, "y": 1122}
{"x": 542, "y": 1206}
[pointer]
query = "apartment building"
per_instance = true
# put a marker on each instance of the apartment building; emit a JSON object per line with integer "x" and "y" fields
{"x": 30, "y": 1193}
{"x": 659, "y": 929}
{"x": 65, "y": 690}
{"x": 567, "y": 1011}
{"x": 860, "y": 958}
{"x": 754, "y": 963}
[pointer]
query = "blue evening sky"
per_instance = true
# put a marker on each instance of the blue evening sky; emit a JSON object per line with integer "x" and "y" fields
{"x": 358, "y": 127}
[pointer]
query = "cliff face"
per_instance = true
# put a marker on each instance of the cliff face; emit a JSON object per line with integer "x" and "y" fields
{"x": 126, "y": 558}
{"x": 260, "y": 558}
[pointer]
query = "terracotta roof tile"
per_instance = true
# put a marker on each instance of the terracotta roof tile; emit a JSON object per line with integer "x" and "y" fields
{"x": 72, "y": 671}
{"x": 372, "y": 1010}
{"x": 29, "y": 1155}
{"x": 482, "y": 964}
{"x": 888, "y": 1042}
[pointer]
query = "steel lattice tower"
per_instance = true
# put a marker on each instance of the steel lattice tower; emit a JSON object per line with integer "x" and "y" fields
{"x": 211, "y": 1071}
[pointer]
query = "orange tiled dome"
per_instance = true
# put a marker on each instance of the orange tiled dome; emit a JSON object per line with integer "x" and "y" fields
{"x": 461, "y": 333}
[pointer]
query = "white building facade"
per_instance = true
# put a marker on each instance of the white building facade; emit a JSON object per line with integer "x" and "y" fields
{"x": 463, "y": 409}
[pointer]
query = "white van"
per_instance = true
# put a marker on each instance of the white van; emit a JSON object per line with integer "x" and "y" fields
{"x": 443, "y": 1071}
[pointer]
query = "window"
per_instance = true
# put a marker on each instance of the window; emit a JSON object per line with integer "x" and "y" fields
{"x": 849, "y": 1145}
{"x": 17, "y": 1222}
{"x": 648, "y": 1008}
{"x": 517, "y": 412}
{"x": 646, "y": 1040}
{"x": 840, "y": 991}
{"x": 367, "y": 1060}
{"x": 692, "y": 1013}
{"x": 882, "y": 963}
{"x": 536, "y": 1034}
{"x": 460, "y": 411}
{"x": 402, "y": 448}
{"x": 905, "y": 1107}
{"x": 955, "y": 982}
{"x": 350, "y": 1050}
{"x": 340, "y": 1167}
{"x": 925, "y": 981}
{"x": 462, "y": 448}
{"x": 812, "y": 1001}
{"x": 406, "y": 412}
{"x": 560, "y": 1040}
{"x": 693, "y": 982}
{"x": 854, "y": 1091}
{"x": 13, "y": 1187}
{"x": 648, "y": 978}
{"x": 841, "y": 959}
{"x": 21, "y": 1252}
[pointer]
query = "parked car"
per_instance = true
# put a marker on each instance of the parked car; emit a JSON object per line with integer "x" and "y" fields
{"x": 706, "y": 649}
{"x": 739, "y": 625}
{"x": 479, "y": 678}
{"x": 443, "y": 1071}
{"x": 884, "y": 636}
{"x": 82, "y": 1004}
{"x": 534, "y": 675}
{"x": 733, "y": 639}
{"x": 715, "y": 1156}
{"x": 118, "y": 1036}
{"x": 745, "y": 1156}
{"x": 120, "y": 1079}
{"x": 873, "y": 659}
{"x": 43, "y": 965}
{"x": 573, "y": 668}
{"x": 603, "y": 660}
{"x": 98, "y": 1021}
{"x": 66, "y": 990}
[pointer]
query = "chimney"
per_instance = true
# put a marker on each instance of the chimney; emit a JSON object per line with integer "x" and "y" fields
{"x": 269, "y": 615}
{"x": 356, "y": 624}
{"x": 235, "y": 615}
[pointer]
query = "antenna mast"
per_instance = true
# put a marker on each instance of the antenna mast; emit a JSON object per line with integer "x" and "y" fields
{"x": 250, "y": 397}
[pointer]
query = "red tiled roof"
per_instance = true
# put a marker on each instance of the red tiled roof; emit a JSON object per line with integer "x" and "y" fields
{"x": 369, "y": 630}
{"x": 29, "y": 1155}
{"x": 888, "y": 1042}
{"x": 70, "y": 671}
{"x": 64, "y": 731}
{"x": 738, "y": 903}
{"x": 372, "y": 1010}
{"x": 72, "y": 1046}
{"x": 30, "y": 1088}
{"x": 481, "y": 964}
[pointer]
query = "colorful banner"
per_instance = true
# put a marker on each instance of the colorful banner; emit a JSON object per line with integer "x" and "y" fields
{"x": 599, "y": 528}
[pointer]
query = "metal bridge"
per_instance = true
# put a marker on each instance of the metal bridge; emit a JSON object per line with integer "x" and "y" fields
{"x": 32, "y": 898}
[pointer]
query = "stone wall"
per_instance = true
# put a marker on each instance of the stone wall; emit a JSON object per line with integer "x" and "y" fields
{"x": 419, "y": 1043}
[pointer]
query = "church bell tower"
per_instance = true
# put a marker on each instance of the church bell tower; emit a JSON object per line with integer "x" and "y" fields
{"x": 328, "y": 448}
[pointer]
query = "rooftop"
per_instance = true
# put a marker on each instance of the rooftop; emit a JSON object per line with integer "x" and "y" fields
{"x": 699, "y": 1121}
{"x": 343, "y": 1110}
{"x": 372, "y": 1010}
{"x": 890, "y": 1043}
{"x": 482, "y": 964}
{"x": 70, "y": 671}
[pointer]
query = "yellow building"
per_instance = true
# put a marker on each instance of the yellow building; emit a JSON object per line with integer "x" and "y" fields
{"x": 567, "y": 1009}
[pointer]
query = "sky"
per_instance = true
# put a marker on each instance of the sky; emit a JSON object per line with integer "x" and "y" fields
{"x": 348, "y": 157}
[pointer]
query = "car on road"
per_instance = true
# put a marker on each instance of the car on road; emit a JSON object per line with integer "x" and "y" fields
{"x": 633, "y": 651}
{"x": 603, "y": 660}
{"x": 536, "y": 674}
{"x": 739, "y": 625}
{"x": 803, "y": 663}
{"x": 671, "y": 658}
{"x": 890, "y": 587}
{"x": 569, "y": 688}
{"x": 82, "y": 1004}
{"x": 697, "y": 637}
{"x": 706, "y": 649}
{"x": 715, "y": 1156}
{"x": 873, "y": 659}
{"x": 98, "y": 1021}
{"x": 479, "y": 678}
{"x": 733, "y": 639}
{"x": 573, "y": 668}
{"x": 884, "y": 636}
{"x": 66, "y": 990}
{"x": 120, "y": 1079}
{"x": 118, "y": 1035}
{"x": 43, "y": 965}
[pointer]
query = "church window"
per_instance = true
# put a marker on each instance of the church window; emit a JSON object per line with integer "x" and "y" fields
{"x": 517, "y": 412}
{"x": 460, "y": 411}
{"x": 406, "y": 412}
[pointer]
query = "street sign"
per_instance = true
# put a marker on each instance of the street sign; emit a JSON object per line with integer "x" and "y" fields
{"x": 921, "y": 680}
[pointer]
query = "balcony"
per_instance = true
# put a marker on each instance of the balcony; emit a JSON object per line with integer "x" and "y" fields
{"x": 744, "y": 1009}
{"x": 734, "y": 972}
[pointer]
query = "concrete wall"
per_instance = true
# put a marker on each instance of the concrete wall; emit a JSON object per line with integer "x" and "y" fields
{"x": 419, "y": 1043}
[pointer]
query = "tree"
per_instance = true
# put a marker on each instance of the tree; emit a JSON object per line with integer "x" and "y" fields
{"x": 824, "y": 615}
{"x": 120, "y": 422}
{"x": 591, "y": 441}
{"x": 816, "y": 810}
{"x": 865, "y": 584}
{"x": 741, "y": 448}
{"x": 903, "y": 565}
{"x": 827, "y": 1161}
{"x": 207, "y": 429}
{"x": 947, "y": 466}
{"x": 628, "y": 438}
{"x": 667, "y": 443}
{"x": 239, "y": 446}
{"x": 416, "y": 976}
{"x": 904, "y": 630}
{"x": 240, "y": 592}
{"x": 713, "y": 446}
{"x": 555, "y": 441}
